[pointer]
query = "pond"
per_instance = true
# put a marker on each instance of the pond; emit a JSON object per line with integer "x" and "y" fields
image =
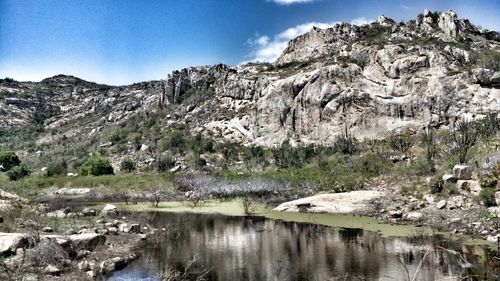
{"x": 221, "y": 247}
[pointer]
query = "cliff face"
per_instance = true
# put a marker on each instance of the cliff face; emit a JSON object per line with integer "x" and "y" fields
{"x": 373, "y": 79}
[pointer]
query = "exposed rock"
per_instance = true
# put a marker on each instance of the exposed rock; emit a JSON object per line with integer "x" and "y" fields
{"x": 472, "y": 186}
{"x": 414, "y": 216}
{"x": 450, "y": 178}
{"x": 87, "y": 241}
{"x": 87, "y": 212}
{"x": 47, "y": 229}
{"x": 429, "y": 198}
{"x": 497, "y": 198}
{"x": 462, "y": 172}
{"x": 108, "y": 266}
{"x": 109, "y": 211}
{"x": 441, "y": 204}
{"x": 395, "y": 214}
{"x": 52, "y": 270}
{"x": 10, "y": 242}
{"x": 346, "y": 202}
{"x": 130, "y": 228}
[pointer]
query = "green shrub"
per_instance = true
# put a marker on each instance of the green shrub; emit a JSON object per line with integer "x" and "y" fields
{"x": 370, "y": 165}
{"x": 422, "y": 167}
{"x": 436, "y": 185}
{"x": 287, "y": 156}
{"x": 57, "y": 167}
{"x": 96, "y": 166}
{"x": 165, "y": 162}
{"x": 401, "y": 142}
{"x": 127, "y": 165}
{"x": 9, "y": 159}
{"x": 487, "y": 197}
{"x": 346, "y": 144}
{"x": 18, "y": 172}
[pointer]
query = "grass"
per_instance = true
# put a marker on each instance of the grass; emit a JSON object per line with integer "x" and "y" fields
{"x": 126, "y": 181}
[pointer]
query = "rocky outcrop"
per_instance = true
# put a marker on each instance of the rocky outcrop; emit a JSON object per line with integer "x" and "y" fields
{"x": 373, "y": 79}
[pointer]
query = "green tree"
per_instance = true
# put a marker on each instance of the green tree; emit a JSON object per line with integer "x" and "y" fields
{"x": 127, "y": 165}
{"x": 18, "y": 172}
{"x": 96, "y": 166}
{"x": 8, "y": 159}
{"x": 464, "y": 138}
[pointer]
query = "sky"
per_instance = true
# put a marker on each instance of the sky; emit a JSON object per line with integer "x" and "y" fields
{"x": 126, "y": 41}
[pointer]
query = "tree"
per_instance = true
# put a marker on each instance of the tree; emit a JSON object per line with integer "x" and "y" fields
{"x": 127, "y": 165}
{"x": 18, "y": 172}
{"x": 287, "y": 156}
{"x": 96, "y": 166}
{"x": 401, "y": 142}
{"x": 8, "y": 159}
{"x": 464, "y": 137}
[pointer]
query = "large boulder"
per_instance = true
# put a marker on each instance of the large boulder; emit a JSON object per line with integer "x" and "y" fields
{"x": 414, "y": 216}
{"x": 462, "y": 172}
{"x": 109, "y": 211}
{"x": 471, "y": 186}
{"x": 10, "y": 242}
{"x": 87, "y": 241}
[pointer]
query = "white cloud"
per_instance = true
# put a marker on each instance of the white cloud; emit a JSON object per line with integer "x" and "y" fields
{"x": 289, "y": 2}
{"x": 266, "y": 50}
{"x": 361, "y": 21}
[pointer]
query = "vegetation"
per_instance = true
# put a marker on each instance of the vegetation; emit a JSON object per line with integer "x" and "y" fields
{"x": 464, "y": 137}
{"x": 96, "y": 166}
{"x": 18, "y": 172}
{"x": 127, "y": 165}
{"x": 8, "y": 159}
{"x": 487, "y": 196}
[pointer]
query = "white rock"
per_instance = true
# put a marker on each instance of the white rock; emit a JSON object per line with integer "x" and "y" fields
{"x": 414, "y": 216}
{"x": 462, "y": 172}
{"x": 109, "y": 211}
{"x": 441, "y": 204}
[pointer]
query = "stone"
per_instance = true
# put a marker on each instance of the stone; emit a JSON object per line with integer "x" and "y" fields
{"x": 494, "y": 211}
{"x": 113, "y": 230}
{"x": 497, "y": 198}
{"x": 441, "y": 204}
{"x": 109, "y": 211}
{"x": 429, "y": 198}
{"x": 130, "y": 228}
{"x": 52, "y": 270}
{"x": 455, "y": 202}
{"x": 472, "y": 186}
{"x": 108, "y": 266}
{"x": 450, "y": 178}
{"x": 83, "y": 265}
{"x": 395, "y": 214}
{"x": 455, "y": 220}
{"x": 414, "y": 216}
{"x": 87, "y": 241}
{"x": 47, "y": 229}
{"x": 462, "y": 172}
{"x": 10, "y": 242}
{"x": 56, "y": 214}
{"x": 87, "y": 212}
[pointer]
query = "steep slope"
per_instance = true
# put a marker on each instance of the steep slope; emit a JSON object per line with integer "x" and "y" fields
{"x": 372, "y": 79}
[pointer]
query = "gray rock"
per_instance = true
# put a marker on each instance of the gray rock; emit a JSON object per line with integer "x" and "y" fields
{"x": 462, "y": 172}
{"x": 497, "y": 198}
{"x": 450, "y": 178}
{"x": 87, "y": 241}
{"x": 441, "y": 204}
{"x": 87, "y": 212}
{"x": 471, "y": 186}
{"x": 10, "y": 242}
{"x": 130, "y": 228}
{"x": 395, "y": 214}
{"x": 414, "y": 216}
{"x": 47, "y": 229}
{"x": 52, "y": 270}
{"x": 109, "y": 211}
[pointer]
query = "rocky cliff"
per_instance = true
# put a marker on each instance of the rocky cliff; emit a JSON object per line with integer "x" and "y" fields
{"x": 373, "y": 79}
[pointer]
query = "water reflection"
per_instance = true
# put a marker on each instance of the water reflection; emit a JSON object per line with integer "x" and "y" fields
{"x": 237, "y": 248}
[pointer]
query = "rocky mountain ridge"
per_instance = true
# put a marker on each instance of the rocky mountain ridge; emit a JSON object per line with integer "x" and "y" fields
{"x": 372, "y": 79}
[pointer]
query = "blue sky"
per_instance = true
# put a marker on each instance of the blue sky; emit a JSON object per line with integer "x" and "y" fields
{"x": 121, "y": 42}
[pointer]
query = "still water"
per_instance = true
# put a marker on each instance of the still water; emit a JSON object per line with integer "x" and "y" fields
{"x": 255, "y": 248}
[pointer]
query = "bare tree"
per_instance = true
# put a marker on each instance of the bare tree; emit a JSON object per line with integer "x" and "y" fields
{"x": 155, "y": 195}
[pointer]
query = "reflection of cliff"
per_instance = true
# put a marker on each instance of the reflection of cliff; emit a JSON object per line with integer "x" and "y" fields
{"x": 258, "y": 249}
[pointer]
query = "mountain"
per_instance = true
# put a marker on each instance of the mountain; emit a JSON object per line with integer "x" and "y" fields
{"x": 371, "y": 79}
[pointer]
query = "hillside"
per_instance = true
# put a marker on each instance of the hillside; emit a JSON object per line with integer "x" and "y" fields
{"x": 371, "y": 79}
